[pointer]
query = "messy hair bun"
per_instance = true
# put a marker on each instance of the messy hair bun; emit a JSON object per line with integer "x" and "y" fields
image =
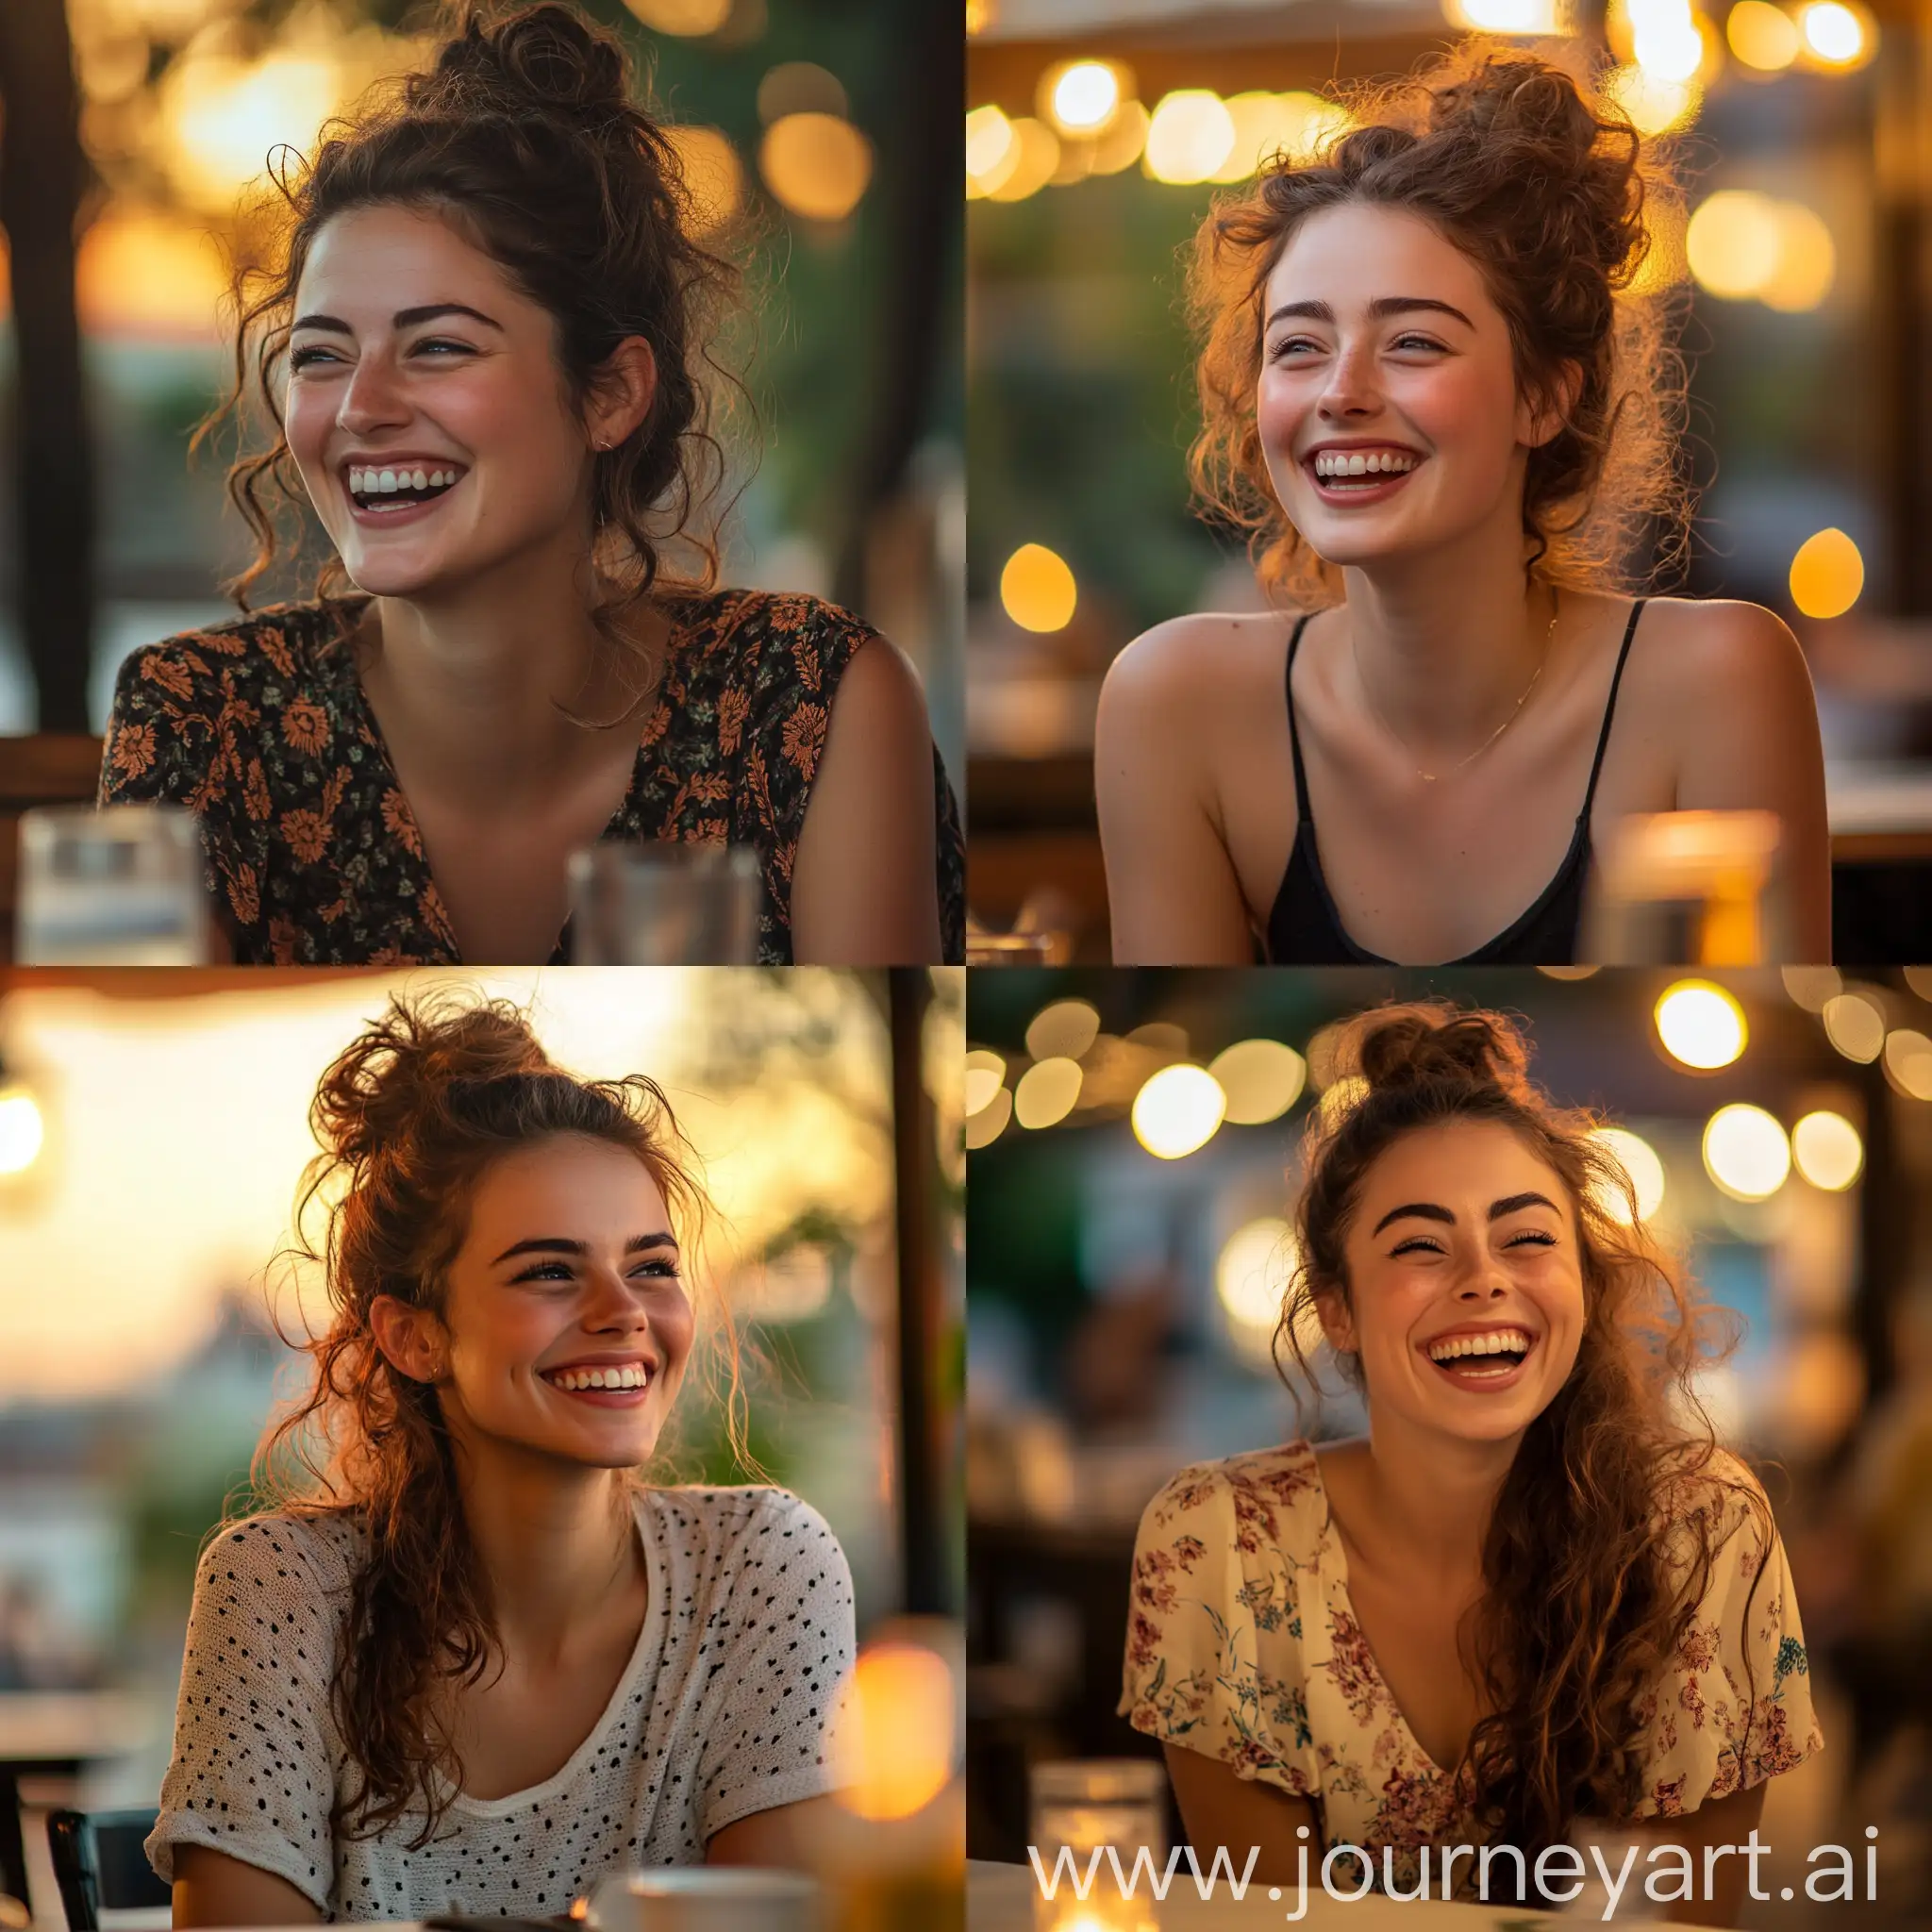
{"x": 1584, "y": 1603}
{"x": 527, "y": 135}
{"x": 409, "y": 1116}
{"x": 1545, "y": 190}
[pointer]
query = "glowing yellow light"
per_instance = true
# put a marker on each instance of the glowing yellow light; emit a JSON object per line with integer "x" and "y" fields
{"x": 797, "y": 87}
{"x": 221, "y": 115}
{"x": 1746, "y": 1152}
{"x": 1191, "y": 135}
{"x": 817, "y": 165}
{"x": 1919, "y": 979}
{"x": 1123, "y": 144}
{"x": 1252, "y": 1277}
{"x": 1908, "y": 1061}
{"x": 1827, "y": 1150}
{"x": 1811, "y": 985}
{"x": 1638, "y": 1160}
{"x": 1668, "y": 44}
{"x": 1081, "y": 97}
{"x": 1701, "y": 1025}
{"x": 1036, "y": 589}
{"x": 1807, "y": 261}
{"x": 1762, "y": 35}
{"x": 1734, "y": 242}
{"x": 992, "y": 152}
{"x": 1652, "y": 103}
{"x": 1262, "y": 1080}
{"x": 1268, "y": 124}
{"x": 891, "y": 1739}
{"x": 1543, "y": 17}
{"x": 1836, "y": 34}
{"x": 686, "y": 18}
{"x": 1855, "y": 1026}
{"x": 712, "y": 172}
{"x": 142, "y": 271}
{"x": 1067, "y": 1027}
{"x": 986, "y": 1074}
{"x": 1179, "y": 1110}
{"x": 1037, "y": 150}
{"x": 990, "y": 1121}
{"x": 21, "y": 1132}
{"x": 1827, "y": 574}
{"x": 1046, "y": 1093}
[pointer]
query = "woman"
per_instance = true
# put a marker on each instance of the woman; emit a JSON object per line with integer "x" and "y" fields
{"x": 1529, "y": 1609}
{"x": 483, "y": 352}
{"x": 476, "y": 1664}
{"x": 1434, "y": 399}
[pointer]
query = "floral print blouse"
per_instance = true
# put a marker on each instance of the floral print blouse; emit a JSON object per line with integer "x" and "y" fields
{"x": 260, "y": 728}
{"x": 1242, "y": 1644}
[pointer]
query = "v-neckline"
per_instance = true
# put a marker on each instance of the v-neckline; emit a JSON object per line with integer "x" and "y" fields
{"x": 1332, "y": 1563}
{"x": 407, "y": 828}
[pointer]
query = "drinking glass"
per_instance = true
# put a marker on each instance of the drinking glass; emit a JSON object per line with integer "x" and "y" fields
{"x": 719, "y": 1898}
{"x": 121, "y": 887}
{"x": 665, "y": 905}
{"x": 1687, "y": 888}
{"x": 1086, "y": 1804}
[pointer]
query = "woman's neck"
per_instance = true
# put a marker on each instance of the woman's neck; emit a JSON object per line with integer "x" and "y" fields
{"x": 1429, "y": 1496}
{"x": 558, "y": 1550}
{"x": 1443, "y": 644}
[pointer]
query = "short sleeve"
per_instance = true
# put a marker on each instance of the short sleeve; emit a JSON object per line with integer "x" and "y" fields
{"x": 789, "y": 1645}
{"x": 251, "y": 1773}
{"x": 153, "y": 754}
{"x": 1734, "y": 1707}
{"x": 1214, "y": 1629}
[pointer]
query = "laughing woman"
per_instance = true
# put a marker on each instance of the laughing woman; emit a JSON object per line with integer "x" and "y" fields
{"x": 484, "y": 353}
{"x": 482, "y": 1663}
{"x": 1434, "y": 397}
{"x": 1530, "y": 1609}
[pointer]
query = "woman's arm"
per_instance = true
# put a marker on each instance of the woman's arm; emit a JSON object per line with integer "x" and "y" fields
{"x": 864, "y": 885}
{"x": 1747, "y": 724}
{"x": 1219, "y": 1808}
{"x": 211, "y": 1889}
{"x": 1172, "y": 893}
{"x": 788, "y": 1835}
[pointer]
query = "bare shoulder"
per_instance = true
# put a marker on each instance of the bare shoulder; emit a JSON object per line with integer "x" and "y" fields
{"x": 880, "y": 683}
{"x": 1716, "y": 650}
{"x": 1203, "y": 661}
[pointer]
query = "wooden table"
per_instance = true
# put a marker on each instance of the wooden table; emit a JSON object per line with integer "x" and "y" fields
{"x": 999, "y": 1898}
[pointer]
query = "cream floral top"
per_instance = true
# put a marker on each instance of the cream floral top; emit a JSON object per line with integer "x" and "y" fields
{"x": 1242, "y": 1644}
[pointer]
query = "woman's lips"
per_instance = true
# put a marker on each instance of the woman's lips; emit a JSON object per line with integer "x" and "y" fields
{"x": 1484, "y": 1374}
{"x": 1354, "y": 492}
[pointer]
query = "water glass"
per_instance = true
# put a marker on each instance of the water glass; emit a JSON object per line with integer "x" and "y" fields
{"x": 711, "y": 1898}
{"x": 1084, "y": 1805}
{"x": 122, "y": 887}
{"x": 665, "y": 905}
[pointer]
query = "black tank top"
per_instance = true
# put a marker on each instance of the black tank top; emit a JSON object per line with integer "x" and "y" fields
{"x": 1305, "y": 929}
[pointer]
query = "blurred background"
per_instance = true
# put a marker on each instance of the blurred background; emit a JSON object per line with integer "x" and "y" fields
{"x": 820, "y": 137}
{"x": 1098, "y": 133}
{"x": 1133, "y": 1169}
{"x": 152, "y": 1126}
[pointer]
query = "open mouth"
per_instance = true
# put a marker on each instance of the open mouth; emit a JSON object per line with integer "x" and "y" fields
{"x": 606, "y": 1385}
{"x": 1350, "y": 475}
{"x": 392, "y": 491}
{"x": 1490, "y": 1360}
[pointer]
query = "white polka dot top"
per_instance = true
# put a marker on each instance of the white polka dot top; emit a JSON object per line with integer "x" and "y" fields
{"x": 720, "y": 1713}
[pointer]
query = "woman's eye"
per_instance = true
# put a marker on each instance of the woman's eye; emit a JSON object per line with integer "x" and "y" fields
{"x": 305, "y": 359}
{"x": 440, "y": 345}
{"x": 1414, "y": 342}
{"x": 1417, "y": 1244}
{"x": 1292, "y": 345}
{"x": 547, "y": 1270}
{"x": 1534, "y": 1237}
{"x": 660, "y": 1271}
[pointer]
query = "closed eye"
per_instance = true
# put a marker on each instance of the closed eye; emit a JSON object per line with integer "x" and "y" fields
{"x": 305, "y": 358}
{"x": 1413, "y": 342}
{"x": 1418, "y": 1242}
{"x": 1535, "y": 1236}
{"x": 1290, "y": 345}
{"x": 442, "y": 344}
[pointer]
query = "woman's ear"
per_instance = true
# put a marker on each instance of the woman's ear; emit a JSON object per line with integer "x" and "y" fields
{"x": 1544, "y": 417}
{"x": 1338, "y": 1322}
{"x": 622, "y": 394}
{"x": 410, "y": 1340}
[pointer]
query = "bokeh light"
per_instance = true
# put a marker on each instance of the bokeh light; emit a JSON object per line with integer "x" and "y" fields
{"x": 1701, "y": 1025}
{"x": 1827, "y": 574}
{"x": 1178, "y": 1109}
{"x": 1908, "y": 1062}
{"x": 1811, "y": 985}
{"x": 1251, "y": 1279}
{"x": 1827, "y": 1150}
{"x": 1081, "y": 97}
{"x": 1036, "y": 589}
{"x": 1036, "y": 160}
{"x": 1262, "y": 1080}
{"x": 1746, "y": 1152}
{"x": 1733, "y": 242}
{"x": 712, "y": 172}
{"x": 987, "y": 1124}
{"x": 1762, "y": 35}
{"x": 1191, "y": 135}
{"x": 1638, "y": 1160}
{"x": 1653, "y": 102}
{"x": 986, "y": 1074}
{"x": 1836, "y": 36}
{"x": 1067, "y": 1027}
{"x": 893, "y": 1739}
{"x": 22, "y": 1132}
{"x": 1047, "y": 1092}
{"x": 1543, "y": 19}
{"x": 993, "y": 150}
{"x": 817, "y": 165}
{"x": 1855, "y": 1026}
{"x": 690, "y": 18}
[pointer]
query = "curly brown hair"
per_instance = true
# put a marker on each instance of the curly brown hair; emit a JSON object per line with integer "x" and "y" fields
{"x": 410, "y": 1117}
{"x": 526, "y": 138}
{"x": 1610, "y": 1495}
{"x": 1545, "y": 192}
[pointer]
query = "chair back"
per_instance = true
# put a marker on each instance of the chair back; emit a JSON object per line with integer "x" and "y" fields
{"x": 100, "y": 1866}
{"x": 49, "y": 768}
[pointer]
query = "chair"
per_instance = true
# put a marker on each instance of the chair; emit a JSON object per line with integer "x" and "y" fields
{"x": 100, "y": 1866}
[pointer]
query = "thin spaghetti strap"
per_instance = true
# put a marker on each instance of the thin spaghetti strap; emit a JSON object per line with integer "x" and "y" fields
{"x": 1303, "y": 816}
{"x": 1602, "y": 740}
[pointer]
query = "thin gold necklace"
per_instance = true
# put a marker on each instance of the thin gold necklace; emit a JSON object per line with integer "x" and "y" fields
{"x": 1433, "y": 778}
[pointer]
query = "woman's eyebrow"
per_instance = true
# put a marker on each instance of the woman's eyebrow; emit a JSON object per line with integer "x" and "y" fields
{"x": 1379, "y": 310}
{"x": 563, "y": 1245}
{"x": 1425, "y": 1210}
{"x": 403, "y": 318}
{"x": 1513, "y": 1204}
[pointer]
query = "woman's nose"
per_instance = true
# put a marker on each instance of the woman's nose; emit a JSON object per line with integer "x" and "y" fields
{"x": 372, "y": 398}
{"x": 1350, "y": 389}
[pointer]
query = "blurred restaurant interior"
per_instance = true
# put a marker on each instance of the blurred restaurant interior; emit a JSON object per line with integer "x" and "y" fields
{"x": 135, "y": 129}
{"x": 1098, "y": 133}
{"x": 1132, "y": 1173}
{"x": 152, "y": 1126}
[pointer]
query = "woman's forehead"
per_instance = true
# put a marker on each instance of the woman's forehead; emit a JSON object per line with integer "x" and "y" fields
{"x": 1360, "y": 253}
{"x": 1460, "y": 1161}
{"x": 376, "y": 260}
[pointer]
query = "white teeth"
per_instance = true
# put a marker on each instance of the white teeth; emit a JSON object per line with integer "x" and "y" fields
{"x": 629, "y": 1376}
{"x": 421, "y": 481}
{"x": 1356, "y": 465}
{"x": 1497, "y": 1342}
{"x": 1336, "y": 462}
{"x": 386, "y": 482}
